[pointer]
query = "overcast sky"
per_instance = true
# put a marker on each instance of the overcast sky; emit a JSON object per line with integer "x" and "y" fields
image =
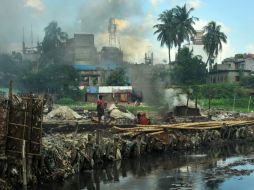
{"x": 135, "y": 18}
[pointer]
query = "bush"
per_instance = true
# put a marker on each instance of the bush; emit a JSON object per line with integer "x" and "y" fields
{"x": 217, "y": 91}
{"x": 65, "y": 101}
{"x": 248, "y": 81}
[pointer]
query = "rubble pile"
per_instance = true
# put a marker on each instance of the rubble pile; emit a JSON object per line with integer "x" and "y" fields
{"x": 64, "y": 155}
{"x": 63, "y": 113}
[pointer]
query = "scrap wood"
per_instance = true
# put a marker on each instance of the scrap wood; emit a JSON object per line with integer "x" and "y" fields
{"x": 192, "y": 126}
{"x": 202, "y": 124}
{"x": 134, "y": 129}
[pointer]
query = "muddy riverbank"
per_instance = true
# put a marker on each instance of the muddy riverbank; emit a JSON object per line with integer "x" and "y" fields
{"x": 66, "y": 154}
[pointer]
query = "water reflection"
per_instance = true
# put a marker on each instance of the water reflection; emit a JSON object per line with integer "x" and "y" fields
{"x": 159, "y": 171}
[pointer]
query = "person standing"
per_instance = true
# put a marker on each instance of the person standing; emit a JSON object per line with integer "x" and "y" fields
{"x": 100, "y": 108}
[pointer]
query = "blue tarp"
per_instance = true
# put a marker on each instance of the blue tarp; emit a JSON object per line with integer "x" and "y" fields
{"x": 92, "y": 89}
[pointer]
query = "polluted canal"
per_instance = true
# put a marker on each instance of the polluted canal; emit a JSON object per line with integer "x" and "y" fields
{"x": 225, "y": 167}
{"x": 64, "y": 150}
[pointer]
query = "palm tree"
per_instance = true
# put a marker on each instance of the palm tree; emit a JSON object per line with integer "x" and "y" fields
{"x": 212, "y": 40}
{"x": 183, "y": 24}
{"x": 165, "y": 30}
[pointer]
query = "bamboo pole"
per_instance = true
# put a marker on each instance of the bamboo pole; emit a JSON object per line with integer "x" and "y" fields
{"x": 249, "y": 104}
{"x": 24, "y": 165}
{"x": 234, "y": 103}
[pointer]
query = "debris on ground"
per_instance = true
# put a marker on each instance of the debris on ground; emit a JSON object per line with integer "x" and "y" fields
{"x": 116, "y": 115}
{"x": 118, "y": 112}
{"x": 63, "y": 113}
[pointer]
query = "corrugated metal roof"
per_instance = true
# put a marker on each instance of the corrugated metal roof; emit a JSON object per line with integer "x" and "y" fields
{"x": 6, "y": 90}
{"x": 82, "y": 67}
{"x": 114, "y": 89}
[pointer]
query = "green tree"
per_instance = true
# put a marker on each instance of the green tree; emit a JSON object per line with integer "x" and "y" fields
{"x": 176, "y": 26}
{"x": 56, "y": 78}
{"x": 165, "y": 30}
{"x": 183, "y": 24}
{"x": 12, "y": 69}
{"x": 117, "y": 78}
{"x": 53, "y": 42}
{"x": 212, "y": 40}
{"x": 188, "y": 69}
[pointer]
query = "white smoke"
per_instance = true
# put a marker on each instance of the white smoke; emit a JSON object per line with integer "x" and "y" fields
{"x": 134, "y": 26}
{"x": 176, "y": 97}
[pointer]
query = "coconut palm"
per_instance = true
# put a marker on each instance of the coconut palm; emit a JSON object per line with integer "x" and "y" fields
{"x": 183, "y": 24}
{"x": 165, "y": 30}
{"x": 212, "y": 40}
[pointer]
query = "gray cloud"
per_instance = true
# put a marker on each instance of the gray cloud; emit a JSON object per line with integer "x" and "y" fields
{"x": 135, "y": 26}
{"x": 14, "y": 15}
{"x": 95, "y": 13}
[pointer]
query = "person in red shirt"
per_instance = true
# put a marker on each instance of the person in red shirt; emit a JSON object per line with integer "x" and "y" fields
{"x": 142, "y": 119}
{"x": 100, "y": 108}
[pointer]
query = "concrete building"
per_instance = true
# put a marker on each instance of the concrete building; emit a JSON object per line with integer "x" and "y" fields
{"x": 81, "y": 50}
{"x": 232, "y": 69}
{"x": 94, "y": 75}
{"x": 197, "y": 45}
{"x": 110, "y": 93}
{"x": 111, "y": 55}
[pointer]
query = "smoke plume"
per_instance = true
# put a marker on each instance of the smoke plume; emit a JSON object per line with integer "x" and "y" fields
{"x": 14, "y": 15}
{"x": 133, "y": 25}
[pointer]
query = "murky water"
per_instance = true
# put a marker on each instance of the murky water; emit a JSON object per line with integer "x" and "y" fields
{"x": 228, "y": 167}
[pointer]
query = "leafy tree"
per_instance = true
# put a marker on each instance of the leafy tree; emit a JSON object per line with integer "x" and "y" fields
{"x": 212, "y": 40}
{"x": 53, "y": 43}
{"x": 189, "y": 69}
{"x": 12, "y": 69}
{"x": 56, "y": 78}
{"x": 165, "y": 30}
{"x": 183, "y": 24}
{"x": 117, "y": 78}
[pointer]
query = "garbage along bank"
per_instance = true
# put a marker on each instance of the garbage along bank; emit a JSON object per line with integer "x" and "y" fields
{"x": 66, "y": 154}
{"x": 59, "y": 155}
{"x": 63, "y": 155}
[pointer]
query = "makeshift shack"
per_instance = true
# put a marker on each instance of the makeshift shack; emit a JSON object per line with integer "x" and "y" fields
{"x": 110, "y": 93}
{"x": 186, "y": 111}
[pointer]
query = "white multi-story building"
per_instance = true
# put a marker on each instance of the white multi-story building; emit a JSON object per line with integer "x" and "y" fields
{"x": 197, "y": 46}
